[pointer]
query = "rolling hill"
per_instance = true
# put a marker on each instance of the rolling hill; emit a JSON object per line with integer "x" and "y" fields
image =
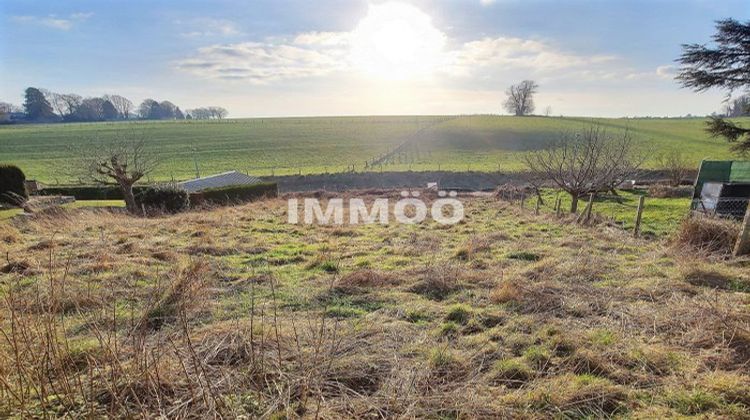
{"x": 334, "y": 144}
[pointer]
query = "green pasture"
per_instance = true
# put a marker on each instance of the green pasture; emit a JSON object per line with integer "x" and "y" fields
{"x": 335, "y": 144}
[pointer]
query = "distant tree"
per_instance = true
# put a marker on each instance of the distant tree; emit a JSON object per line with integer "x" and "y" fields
{"x": 520, "y": 99}
{"x": 168, "y": 110}
{"x": 178, "y": 115}
{"x": 122, "y": 104}
{"x": 218, "y": 112}
{"x": 149, "y": 110}
{"x": 90, "y": 109}
{"x": 37, "y": 107}
{"x": 109, "y": 112}
{"x": 5, "y": 110}
{"x": 207, "y": 113}
{"x": 71, "y": 103}
{"x": 55, "y": 100}
{"x": 587, "y": 161}
{"x": 726, "y": 65}
{"x": 121, "y": 162}
{"x": 738, "y": 107}
{"x": 188, "y": 116}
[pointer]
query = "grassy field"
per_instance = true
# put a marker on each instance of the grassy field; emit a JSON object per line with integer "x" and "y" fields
{"x": 236, "y": 312}
{"x": 660, "y": 217}
{"x": 317, "y": 145}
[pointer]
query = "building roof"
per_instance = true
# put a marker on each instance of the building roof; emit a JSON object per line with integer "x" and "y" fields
{"x": 225, "y": 179}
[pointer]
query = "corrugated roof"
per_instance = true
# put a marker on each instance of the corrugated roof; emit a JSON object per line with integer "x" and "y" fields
{"x": 225, "y": 179}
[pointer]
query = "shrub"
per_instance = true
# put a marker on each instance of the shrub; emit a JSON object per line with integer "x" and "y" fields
{"x": 666, "y": 191}
{"x": 235, "y": 194}
{"x": 163, "y": 199}
{"x": 12, "y": 182}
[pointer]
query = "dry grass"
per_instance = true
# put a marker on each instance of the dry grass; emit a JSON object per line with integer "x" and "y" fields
{"x": 709, "y": 235}
{"x": 231, "y": 313}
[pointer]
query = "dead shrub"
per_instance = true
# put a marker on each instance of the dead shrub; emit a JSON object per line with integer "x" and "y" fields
{"x": 212, "y": 250}
{"x": 667, "y": 191}
{"x": 438, "y": 281}
{"x": 10, "y": 234}
{"x": 166, "y": 256}
{"x": 361, "y": 280}
{"x": 507, "y": 291}
{"x": 182, "y": 295}
{"x": 704, "y": 234}
{"x": 711, "y": 279}
{"x": 16, "y": 267}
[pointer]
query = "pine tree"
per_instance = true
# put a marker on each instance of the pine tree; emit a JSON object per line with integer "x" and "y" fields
{"x": 724, "y": 66}
{"x": 37, "y": 107}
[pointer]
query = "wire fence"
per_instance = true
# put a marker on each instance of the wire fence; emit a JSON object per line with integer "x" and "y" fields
{"x": 592, "y": 209}
{"x": 730, "y": 207}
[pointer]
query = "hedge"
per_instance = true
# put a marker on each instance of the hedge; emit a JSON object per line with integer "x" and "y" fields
{"x": 90, "y": 192}
{"x": 165, "y": 199}
{"x": 12, "y": 180}
{"x": 235, "y": 194}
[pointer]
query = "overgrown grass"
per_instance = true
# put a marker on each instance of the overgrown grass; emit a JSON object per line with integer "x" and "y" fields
{"x": 233, "y": 312}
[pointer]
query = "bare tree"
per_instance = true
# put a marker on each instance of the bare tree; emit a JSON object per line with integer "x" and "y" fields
{"x": 121, "y": 162}
{"x": 59, "y": 106}
{"x": 676, "y": 166}
{"x": 122, "y": 104}
{"x": 218, "y": 112}
{"x": 591, "y": 160}
{"x": 72, "y": 103}
{"x": 521, "y": 98}
{"x": 211, "y": 112}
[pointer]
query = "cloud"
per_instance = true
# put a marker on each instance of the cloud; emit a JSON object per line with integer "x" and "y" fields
{"x": 478, "y": 64}
{"x": 516, "y": 53}
{"x": 487, "y": 2}
{"x": 667, "y": 71}
{"x": 307, "y": 55}
{"x": 53, "y": 21}
{"x": 209, "y": 27}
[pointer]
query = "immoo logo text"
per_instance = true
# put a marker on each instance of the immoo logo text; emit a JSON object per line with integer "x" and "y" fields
{"x": 410, "y": 209}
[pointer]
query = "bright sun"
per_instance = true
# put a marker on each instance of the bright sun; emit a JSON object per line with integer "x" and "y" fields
{"x": 397, "y": 41}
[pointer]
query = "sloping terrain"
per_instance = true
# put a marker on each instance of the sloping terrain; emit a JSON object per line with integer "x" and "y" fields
{"x": 233, "y": 311}
{"x": 286, "y": 146}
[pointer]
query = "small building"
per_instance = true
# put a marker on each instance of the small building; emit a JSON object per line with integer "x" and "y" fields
{"x": 226, "y": 179}
{"x": 722, "y": 188}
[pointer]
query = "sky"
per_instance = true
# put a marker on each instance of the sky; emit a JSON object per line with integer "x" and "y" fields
{"x": 352, "y": 57}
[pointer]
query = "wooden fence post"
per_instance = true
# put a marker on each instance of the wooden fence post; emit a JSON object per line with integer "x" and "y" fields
{"x": 538, "y": 203}
{"x": 523, "y": 198}
{"x": 638, "y": 216}
{"x": 589, "y": 208}
{"x": 558, "y": 207}
{"x": 742, "y": 247}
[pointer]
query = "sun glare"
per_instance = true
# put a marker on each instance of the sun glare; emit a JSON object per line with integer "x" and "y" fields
{"x": 397, "y": 41}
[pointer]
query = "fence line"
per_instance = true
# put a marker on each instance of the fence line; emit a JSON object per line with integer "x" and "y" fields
{"x": 585, "y": 217}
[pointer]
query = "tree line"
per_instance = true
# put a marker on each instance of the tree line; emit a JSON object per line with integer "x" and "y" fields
{"x": 45, "y": 106}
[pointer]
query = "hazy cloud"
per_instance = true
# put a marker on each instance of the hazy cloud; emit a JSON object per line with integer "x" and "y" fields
{"x": 208, "y": 27}
{"x": 53, "y": 21}
{"x": 516, "y": 53}
{"x": 308, "y": 55}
